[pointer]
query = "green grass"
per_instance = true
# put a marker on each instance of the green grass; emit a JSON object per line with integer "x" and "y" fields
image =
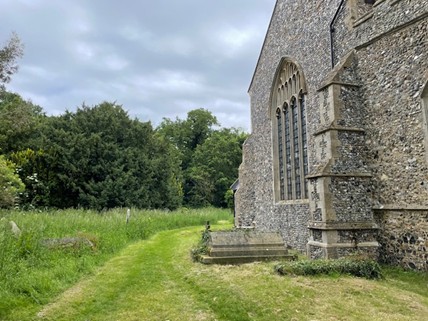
{"x": 31, "y": 275}
{"x": 157, "y": 280}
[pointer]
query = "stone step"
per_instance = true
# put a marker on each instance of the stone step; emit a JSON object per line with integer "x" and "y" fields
{"x": 245, "y": 259}
{"x": 252, "y": 245}
{"x": 248, "y": 251}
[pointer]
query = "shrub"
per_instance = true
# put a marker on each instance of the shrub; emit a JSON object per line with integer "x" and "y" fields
{"x": 202, "y": 247}
{"x": 360, "y": 267}
{"x": 10, "y": 184}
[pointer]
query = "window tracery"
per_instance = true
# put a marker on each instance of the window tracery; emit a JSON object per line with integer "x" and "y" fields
{"x": 290, "y": 147}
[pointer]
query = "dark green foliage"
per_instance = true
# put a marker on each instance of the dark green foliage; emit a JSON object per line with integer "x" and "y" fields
{"x": 214, "y": 168}
{"x": 97, "y": 157}
{"x": 19, "y": 122}
{"x": 186, "y": 135}
{"x": 359, "y": 267}
{"x": 209, "y": 157}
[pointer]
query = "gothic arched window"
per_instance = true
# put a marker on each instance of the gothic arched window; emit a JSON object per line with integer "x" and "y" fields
{"x": 289, "y": 134}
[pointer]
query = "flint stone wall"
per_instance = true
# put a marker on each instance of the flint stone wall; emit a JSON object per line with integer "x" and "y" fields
{"x": 403, "y": 237}
{"x": 306, "y": 20}
{"x": 394, "y": 119}
{"x": 390, "y": 38}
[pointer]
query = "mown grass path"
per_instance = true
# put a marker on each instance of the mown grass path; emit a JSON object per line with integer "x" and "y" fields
{"x": 156, "y": 280}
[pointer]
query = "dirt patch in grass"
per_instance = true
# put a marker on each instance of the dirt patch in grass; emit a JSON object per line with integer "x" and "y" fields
{"x": 68, "y": 296}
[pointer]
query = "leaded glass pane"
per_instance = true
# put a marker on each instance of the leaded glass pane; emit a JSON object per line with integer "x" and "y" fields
{"x": 280, "y": 155}
{"x": 288, "y": 152}
{"x": 304, "y": 140}
{"x": 296, "y": 148}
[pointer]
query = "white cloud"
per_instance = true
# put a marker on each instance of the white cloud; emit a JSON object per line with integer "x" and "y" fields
{"x": 232, "y": 40}
{"x": 114, "y": 62}
{"x": 84, "y": 51}
{"x": 81, "y": 26}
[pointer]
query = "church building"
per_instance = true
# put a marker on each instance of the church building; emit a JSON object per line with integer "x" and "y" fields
{"x": 337, "y": 159}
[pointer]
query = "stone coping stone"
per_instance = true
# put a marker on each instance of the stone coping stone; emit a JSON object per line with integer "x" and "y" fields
{"x": 245, "y": 238}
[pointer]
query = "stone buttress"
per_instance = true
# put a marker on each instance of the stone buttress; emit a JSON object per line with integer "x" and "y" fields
{"x": 341, "y": 215}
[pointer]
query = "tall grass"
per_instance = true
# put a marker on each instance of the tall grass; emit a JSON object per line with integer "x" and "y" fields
{"x": 31, "y": 274}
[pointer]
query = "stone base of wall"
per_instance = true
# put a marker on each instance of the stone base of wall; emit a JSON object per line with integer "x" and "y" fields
{"x": 403, "y": 237}
{"x": 315, "y": 251}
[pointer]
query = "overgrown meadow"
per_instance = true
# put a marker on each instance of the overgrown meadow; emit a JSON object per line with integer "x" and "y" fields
{"x": 32, "y": 273}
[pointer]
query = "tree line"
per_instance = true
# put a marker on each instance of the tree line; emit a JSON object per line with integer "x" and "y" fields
{"x": 98, "y": 157}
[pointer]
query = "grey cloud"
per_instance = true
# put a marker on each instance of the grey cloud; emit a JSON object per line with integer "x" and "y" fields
{"x": 158, "y": 59}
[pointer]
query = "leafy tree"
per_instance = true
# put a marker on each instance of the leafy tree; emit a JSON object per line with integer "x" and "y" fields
{"x": 8, "y": 56}
{"x": 30, "y": 166}
{"x": 10, "y": 184}
{"x": 188, "y": 134}
{"x": 99, "y": 158}
{"x": 198, "y": 127}
{"x": 200, "y": 187}
{"x": 209, "y": 158}
{"x": 19, "y": 122}
{"x": 214, "y": 168}
{"x": 229, "y": 199}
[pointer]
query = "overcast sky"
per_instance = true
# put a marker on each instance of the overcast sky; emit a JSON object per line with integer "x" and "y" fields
{"x": 158, "y": 58}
